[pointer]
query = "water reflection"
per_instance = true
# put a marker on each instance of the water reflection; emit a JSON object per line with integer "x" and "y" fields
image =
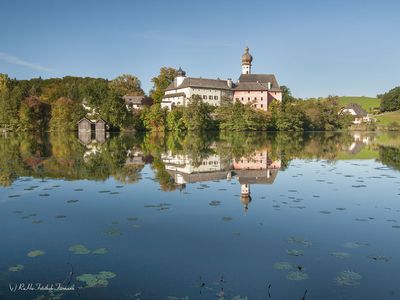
{"x": 179, "y": 160}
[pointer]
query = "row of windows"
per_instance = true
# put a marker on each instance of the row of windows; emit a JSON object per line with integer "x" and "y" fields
{"x": 210, "y": 97}
{"x": 248, "y": 98}
{"x": 204, "y": 163}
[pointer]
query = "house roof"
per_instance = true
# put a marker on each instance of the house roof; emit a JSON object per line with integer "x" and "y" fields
{"x": 137, "y": 100}
{"x": 257, "y": 82}
{"x": 174, "y": 95}
{"x": 200, "y": 83}
{"x": 357, "y": 109}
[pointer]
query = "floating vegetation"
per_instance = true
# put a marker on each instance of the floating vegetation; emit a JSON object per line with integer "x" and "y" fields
{"x": 119, "y": 186}
{"x": 103, "y": 192}
{"x": 100, "y": 251}
{"x": 237, "y": 233}
{"x": 112, "y": 232}
{"x": 114, "y": 193}
{"x": 296, "y": 275}
{"x": 72, "y": 201}
{"x": 44, "y": 195}
{"x": 283, "y": 265}
{"x": 14, "y": 196}
{"x": 341, "y": 255}
{"x": 348, "y": 278}
{"x": 238, "y": 297}
{"x": 79, "y": 249}
{"x": 227, "y": 219}
{"x": 295, "y": 252}
{"x": 17, "y": 211}
{"x": 36, "y": 221}
{"x": 360, "y": 220}
{"x": 341, "y": 208}
{"x": 396, "y": 226}
{"x": 355, "y": 245}
{"x": 160, "y": 206}
{"x": 78, "y": 190}
{"x": 379, "y": 258}
{"x": 298, "y": 240}
{"x": 36, "y": 253}
{"x": 136, "y": 226}
{"x": 325, "y": 212}
{"x": 114, "y": 222}
{"x": 16, "y": 268}
{"x": 177, "y": 298}
{"x": 215, "y": 203}
{"x": 131, "y": 219}
{"x": 96, "y": 280}
{"x": 60, "y": 216}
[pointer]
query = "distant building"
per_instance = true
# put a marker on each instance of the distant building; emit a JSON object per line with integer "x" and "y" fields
{"x": 136, "y": 102}
{"x": 183, "y": 88}
{"x": 358, "y": 113}
{"x": 89, "y": 130}
{"x": 258, "y": 89}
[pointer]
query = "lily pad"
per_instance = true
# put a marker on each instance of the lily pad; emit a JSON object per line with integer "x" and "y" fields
{"x": 355, "y": 245}
{"x": 79, "y": 249}
{"x": 226, "y": 219}
{"x": 348, "y": 278}
{"x": 283, "y": 265}
{"x": 16, "y": 268}
{"x": 72, "y": 201}
{"x": 36, "y": 253}
{"x": 96, "y": 280}
{"x": 112, "y": 232}
{"x": 341, "y": 255}
{"x": 379, "y": 258}
{"x": 299, "y": 240}
{"x": 295, "y": 252}
{"x": 100, "y": 251}
{"x": 215, "y": 203}
{"x": 296, "y": 275}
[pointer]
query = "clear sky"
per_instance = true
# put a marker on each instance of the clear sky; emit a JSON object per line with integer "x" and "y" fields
{"x": 316, "y": 47}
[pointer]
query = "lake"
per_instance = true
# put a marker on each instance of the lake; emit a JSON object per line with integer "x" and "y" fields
{"x": 200, "y": 216}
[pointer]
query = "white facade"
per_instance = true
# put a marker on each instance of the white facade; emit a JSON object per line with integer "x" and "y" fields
{"x": 246, "y": 69}
{"x": 182, "y": 96}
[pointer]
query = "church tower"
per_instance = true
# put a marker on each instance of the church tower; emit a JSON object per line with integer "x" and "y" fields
{"x": 246, "y": 61}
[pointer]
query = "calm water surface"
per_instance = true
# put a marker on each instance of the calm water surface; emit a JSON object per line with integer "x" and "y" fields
{"x": 241, "y": 216}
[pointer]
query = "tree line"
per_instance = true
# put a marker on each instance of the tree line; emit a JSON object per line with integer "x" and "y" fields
{"x": 56, "y": 105}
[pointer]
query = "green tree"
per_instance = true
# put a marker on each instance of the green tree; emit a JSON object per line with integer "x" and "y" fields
{"x": 390, "y": 101}
{"x": 34, "y": 115}
{"x": 127, "y": 84}
{"x": 65, "y": 113}
{"x": 197, "y": 115}
{"x": 175, "y": 119}
{"x": 286, "y": 95}
{"x": 161, "y": 82}
{"x": 154, "y": 118}
{"x": 114, "y": 111}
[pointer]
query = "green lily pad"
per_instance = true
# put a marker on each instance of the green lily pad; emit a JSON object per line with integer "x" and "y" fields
{"x": 348, "y": 278}
{"x": 79, "y": 249}
{"x": 226, "y": 219}
{"x": 96, "y": 280}
{"x": 283, "y": 265}
{"x": 100, "y": 251}
{"x": 341, "y": 255}
{"x": 36, "y": 253}
{"x": 299, "y": 240}
{"x": 16, "y": 268}
{"x": 296, "y": 275}
{"x": 295, "y": 252}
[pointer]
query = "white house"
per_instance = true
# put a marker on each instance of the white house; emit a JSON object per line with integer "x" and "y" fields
{"x": 181, "y": 90}
{"x": 358, "y": 113}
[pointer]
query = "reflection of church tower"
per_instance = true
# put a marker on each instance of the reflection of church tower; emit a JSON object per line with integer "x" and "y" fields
{"x": 245, "y": 197}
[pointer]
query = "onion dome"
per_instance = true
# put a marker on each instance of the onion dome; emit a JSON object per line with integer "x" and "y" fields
{"x": 246, "y": 57}
{"x": 181, "y": 73}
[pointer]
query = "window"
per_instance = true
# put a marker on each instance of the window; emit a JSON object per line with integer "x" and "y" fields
{"x": 242, "y": 98}
{"x": 215, "y": 97}
{"x": 262, "y": 98}
{"x": 248, "y": 99}
{"x": 210, "y": 97}
{"x": 249, "y": 92}
{"x": 204, "y": 96}
{"x": 262, "y": 105}
{"x": 255, "y": 98}
{"x": 255, "y": 105}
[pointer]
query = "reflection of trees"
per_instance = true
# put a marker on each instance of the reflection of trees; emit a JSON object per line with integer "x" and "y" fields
{"x": 124, "y": 156}
{"x": 390, "y": 156}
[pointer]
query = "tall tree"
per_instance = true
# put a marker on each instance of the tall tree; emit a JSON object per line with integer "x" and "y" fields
{"x": 65, "y": 113}
{"x": 390, "y": 101}
{"x": 161, "y": 82}
{"x": 197, "y": 115}
{"x": 127, "y": 84}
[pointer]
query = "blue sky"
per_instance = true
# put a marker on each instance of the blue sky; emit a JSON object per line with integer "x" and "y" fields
{"x": 317, "y": 48}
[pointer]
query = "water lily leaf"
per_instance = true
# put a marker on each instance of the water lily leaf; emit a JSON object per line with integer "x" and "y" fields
{"x": 348, "y": 278}
{"x": 79, "y": 249}
{"x": 296, "y": 275}
{"x": 36, "y": 253}
{"x": 16, "y": 268}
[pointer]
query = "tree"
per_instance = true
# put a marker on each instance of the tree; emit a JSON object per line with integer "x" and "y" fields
{"x": 390, "y": 101}
{"x": 197, "y": 115}
{"x": 113, "y": 110}
{"x": 34, "y": 115}
{"x": 286, "y": 95}
{"x": 127, "y": 84}
{"x": 154, "y": 118}
{"x": 175, "y": 119}
{"x": 161, "y": 82}
{"x": 65, "y": 113}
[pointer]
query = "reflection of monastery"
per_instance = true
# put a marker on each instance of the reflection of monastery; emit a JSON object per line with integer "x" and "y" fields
{"x": 255, "y": 169}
